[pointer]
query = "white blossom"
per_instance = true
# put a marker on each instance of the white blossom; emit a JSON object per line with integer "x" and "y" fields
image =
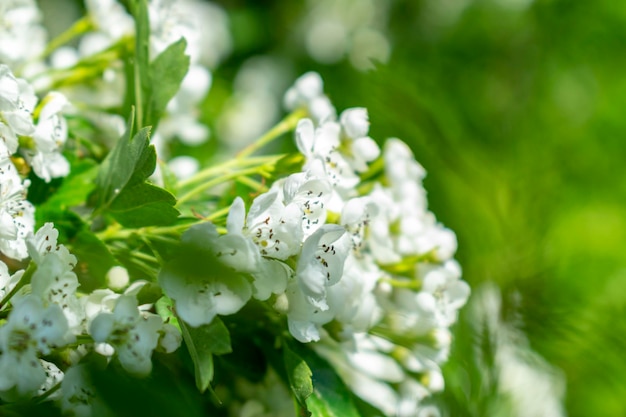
{"x": 304, "y": 320}
{"x": 8, "y": 281}
{"x": 17, "y": 215}
{"x": 308, "y": 93}
{"x": 49, "y": 136}
{"x": 321, "y": 263}
{"x": 22, "y": 37}
{"x": 357, "y": 147}
{"x": 310, "y": 194}
{"x": 31, "y": 330}
{"x": 133, "y": 336}
{"x": 238, "y": 250}
{"x": 274, "y": 228}
{"x": 201, "y": 295}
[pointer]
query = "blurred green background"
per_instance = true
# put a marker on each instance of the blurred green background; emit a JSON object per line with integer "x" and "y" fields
{"x": 515, "y": 108}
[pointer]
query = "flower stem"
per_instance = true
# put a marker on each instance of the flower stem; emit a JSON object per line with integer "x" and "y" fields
{"x": 79, "y": 27}
{"x": 219, "y": 180}
{"x": 232, "y": 163}
{"x": 284, "y": 126}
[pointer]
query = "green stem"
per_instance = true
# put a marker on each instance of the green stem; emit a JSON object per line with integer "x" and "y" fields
{"x": 284, "y": 126}
{"x": 79, "y": 27}
{"x": 408, "y": 284}
{"x": 25, "y": 279}
{"x": 255, "y": 185}
{"x": 216, "y": 181}
{"x": 231, "y": 163}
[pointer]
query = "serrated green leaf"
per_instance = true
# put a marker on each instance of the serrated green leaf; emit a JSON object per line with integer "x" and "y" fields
{"x": 144, "y": 205}
{"x": 166, "y": 74}
{"x": 203, "y": 342}
{"x": 120, "y": 165}
{"x": 151, "y": 85}
{"x": 121, "y": 186}
{"x": 299, "y": 375}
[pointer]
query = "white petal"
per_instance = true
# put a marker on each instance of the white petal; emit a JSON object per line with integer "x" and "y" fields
{"x": 236, "y": 216}
{"x": 101, "y": 327}
{"x": 305, "y": 135}
{"x": 355, "y": 122}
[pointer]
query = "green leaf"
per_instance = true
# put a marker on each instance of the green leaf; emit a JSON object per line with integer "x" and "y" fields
{"x": 150, "y": 293}
{"x": 144, "y": 205}
{"x": 166, "y": 74}
{"x": 203, "y": 342}
{"x": 120, "y": 164}
{"x": 151, "y": 85}
{"x": 75, "y": 187}
{"x": 299, "y": 375}
{"x": 330, "y": 396}
{"x": 94, "y": 260}
{"x": 121, "y": 187}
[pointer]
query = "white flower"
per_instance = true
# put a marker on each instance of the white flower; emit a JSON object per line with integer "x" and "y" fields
{"x": 49, "y": 136}
{"x": 183, "y": 166}
{"x": 321, "y": 263}
{"x": 133, "y": 336}
{"x": 400, "y": 164}
{"x": 199, "y": 300}
{"x": 8, "y": 281}
{"x": 449, "y": 291}
{"x": 324, "y": 160}
{"x": 357, "y": 147}
{"x": 310, "y": 194}
{"x": 44, "y": 242}
{"x": 304, "y": 320}
{"x": 202, "y": 294}
{"x": 352, "y": 299}
{"x": 8, "y": 140}
{"x": 53, "y": 377}
{"x": 170, "y": 338}
{"x": 21, "y": 35}
{"x": 209, "y": 39}
{"x": 238, "y": 250}
{"x": 373, "y": 390}
{"x": 110, "y": 17}
{"x": 55, "y": 283}
{"x": 17, "y": 215}
{"x": 17, "y": 102}
{"x": 274, "y": 228}
{"x": 308, "y": 93}
{"x": 31, "y": 330}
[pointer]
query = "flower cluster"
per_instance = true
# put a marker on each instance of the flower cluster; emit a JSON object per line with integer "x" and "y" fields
{"x": 30, "y": 130}
{"x": 47, "y": 314}
{"x": 359, "y": 265}
{"x": 333, "y": 251}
